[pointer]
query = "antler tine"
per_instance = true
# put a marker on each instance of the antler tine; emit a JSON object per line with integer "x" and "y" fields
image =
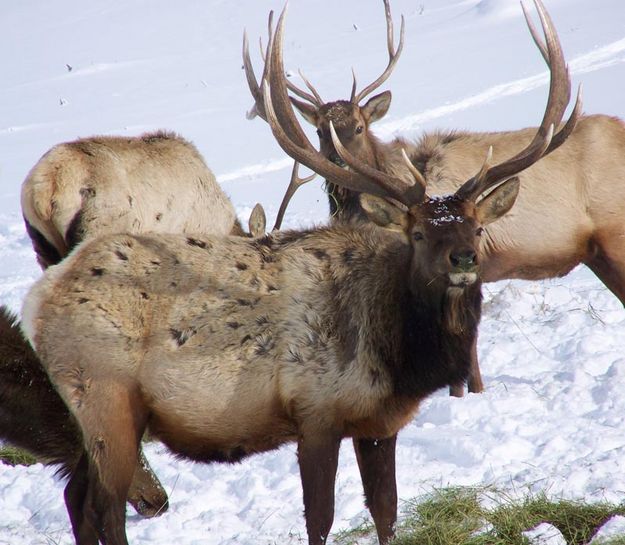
{"x": 416, "y": 173}
{"x": 393, "y": 55}
{"x": 315, "y": 98}
{"x": 411, "y": 193}
{"x": 544, "y": 141}
{"x": 295, "y": 183}
{"x": 535, "y": 36}
{"x": 258, "y": 109}
{"x": 570, "y": 124}
{"x": 318, "y": 101}
{"x": 291, "y": 137}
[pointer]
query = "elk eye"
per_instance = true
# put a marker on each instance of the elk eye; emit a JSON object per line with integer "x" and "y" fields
{"x": 417, "y": 235}
{"x": 479, "y": 231}
{"x": 358, "y": 129}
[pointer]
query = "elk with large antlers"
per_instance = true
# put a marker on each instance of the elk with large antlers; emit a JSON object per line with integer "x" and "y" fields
{"x": 554, "y": 226}
{"x": 224, "y": 347}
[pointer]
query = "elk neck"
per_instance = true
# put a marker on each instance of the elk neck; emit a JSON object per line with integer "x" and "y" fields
{"x": 420, "y": 333}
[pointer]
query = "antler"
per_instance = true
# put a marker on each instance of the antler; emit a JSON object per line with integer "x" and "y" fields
{"x": 294, "y": 142}
{"x": 393, "y": 57}
{"x": 259, "y": 108}
{"x": 545, "y": 141}
{"x": 294, "y": 185}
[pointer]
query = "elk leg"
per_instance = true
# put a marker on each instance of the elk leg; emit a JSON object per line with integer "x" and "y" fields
{"x": 475, "y": 383}
{"x": 146, "y": 493}
{"x": 111, "y": 439}
{"x": 75, "y": 496}
{"x": 318, "y": 458}
{"x": 611, "y": 271}
{"x": 376, "y": 461}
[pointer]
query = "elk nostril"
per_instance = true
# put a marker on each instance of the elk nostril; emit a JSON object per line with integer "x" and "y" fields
{"x": 465, "y": 258}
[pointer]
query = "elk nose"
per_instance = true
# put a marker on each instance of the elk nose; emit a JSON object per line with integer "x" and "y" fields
{"x": 464, "y": 260}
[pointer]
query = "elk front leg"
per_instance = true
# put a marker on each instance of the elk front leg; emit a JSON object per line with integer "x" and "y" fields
{"x": 376, "y": 461}
{"x": 474, "y": 382}
{"x": 318, "y": 458}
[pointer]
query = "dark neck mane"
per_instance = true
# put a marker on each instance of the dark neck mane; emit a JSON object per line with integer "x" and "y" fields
{"x": 431, "y": 330}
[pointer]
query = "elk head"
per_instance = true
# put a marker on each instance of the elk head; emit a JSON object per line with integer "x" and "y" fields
{"x": 351, "y": 120}
{"x": 443, "y": 232}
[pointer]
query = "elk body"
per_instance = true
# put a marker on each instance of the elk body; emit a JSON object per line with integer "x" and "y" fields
{"x": 570, "y": 203}
{"x": 224, "y": 347}
{"x": 157, "y": 182}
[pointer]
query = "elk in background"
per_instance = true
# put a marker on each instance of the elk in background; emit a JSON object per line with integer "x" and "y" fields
{"x": 570, "y": 204}
{"x": 157, "y": 182}
{"x": 310, "y": 336}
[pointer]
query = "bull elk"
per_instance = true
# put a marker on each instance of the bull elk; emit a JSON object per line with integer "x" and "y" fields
{"x": 224, "y": 347}
{"x": 555, "y": 225}
{"x": 157, "y": 182}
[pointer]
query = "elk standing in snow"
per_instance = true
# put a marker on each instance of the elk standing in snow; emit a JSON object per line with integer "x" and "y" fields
{"x": 224, "y": 347}
{"x": 570, "y": 204}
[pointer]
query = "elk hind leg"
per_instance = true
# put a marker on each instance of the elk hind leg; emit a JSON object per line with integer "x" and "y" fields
{"x": 111, "y": 438}
{"x": 376, "y": 461}
{"x": 146, "y": 493}
{"x": 75, "y": 501}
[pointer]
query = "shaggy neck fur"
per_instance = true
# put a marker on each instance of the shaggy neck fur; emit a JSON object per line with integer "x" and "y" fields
{"x": 430, "y": 326}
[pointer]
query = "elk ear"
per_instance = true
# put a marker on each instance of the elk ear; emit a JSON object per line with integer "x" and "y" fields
{"x": 384, "y": 213}
{"x": 309, "y": 111}
{"x": 257, "y": 223}
{"x": 498, "y": 201}
{"x": 376, "y": 107}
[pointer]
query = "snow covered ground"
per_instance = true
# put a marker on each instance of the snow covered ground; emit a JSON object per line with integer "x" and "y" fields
{"x": 552, "y": 353}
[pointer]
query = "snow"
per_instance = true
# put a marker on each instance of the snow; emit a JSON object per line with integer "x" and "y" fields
{"x": 552, "y": 353}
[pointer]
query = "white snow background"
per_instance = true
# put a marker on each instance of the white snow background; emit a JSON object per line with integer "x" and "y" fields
{"x": 552, "y": 353}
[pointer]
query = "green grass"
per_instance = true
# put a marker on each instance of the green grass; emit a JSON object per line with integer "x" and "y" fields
{"x": 14, "y": 456}
{"x": 485, "y": 516}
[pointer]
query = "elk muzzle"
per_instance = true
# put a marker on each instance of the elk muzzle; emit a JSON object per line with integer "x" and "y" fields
{"x": 464, "y": 271}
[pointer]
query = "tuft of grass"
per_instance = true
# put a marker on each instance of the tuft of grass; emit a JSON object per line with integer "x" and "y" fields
{"x": 14, "y": 456}
{"x": 361, "y": 535}
{"x": 486, "y": 516}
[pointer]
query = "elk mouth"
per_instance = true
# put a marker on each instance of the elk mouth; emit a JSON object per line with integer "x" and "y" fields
{"x": 463, "y": 278}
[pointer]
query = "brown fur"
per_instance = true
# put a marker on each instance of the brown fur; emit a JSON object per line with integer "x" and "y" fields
{"x": 157, "y": 182}
{"x": 224, "y": 347}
